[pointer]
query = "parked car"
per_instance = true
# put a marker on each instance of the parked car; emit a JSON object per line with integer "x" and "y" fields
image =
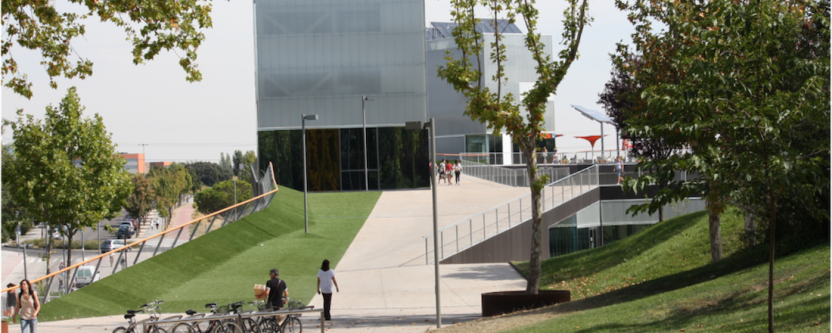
{"x": 128, "y": 224}
{"x": 124, "y": 232}
{"x": 112, "y": 244}
{"x": 132, "y": 223}
{"x": 86, "y": 275}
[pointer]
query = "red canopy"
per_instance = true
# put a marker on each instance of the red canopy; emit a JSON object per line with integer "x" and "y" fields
{"x": 591, "y": 139}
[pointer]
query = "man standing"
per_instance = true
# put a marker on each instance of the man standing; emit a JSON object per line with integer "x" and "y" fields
{"x": 277, "y": 291}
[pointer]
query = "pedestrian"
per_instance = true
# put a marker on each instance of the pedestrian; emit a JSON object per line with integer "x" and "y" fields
{"x": 545, "y": 154}
{"x": 157, "y": 223}
{"x": 326, "y": 278}
{"x": 123, "y": 259}
{"x": 111, "y": 259}
{"x": 449, "y": 171}
{"x": 442, "y": 170}
{"x": 457, "y": 171}
{"x": 11, "y": 303}
{"x": 61, "y": 276}
{"x": 619, "y": 168}
{"x": 277, "y": 291}
{"x": 29, "y": 307}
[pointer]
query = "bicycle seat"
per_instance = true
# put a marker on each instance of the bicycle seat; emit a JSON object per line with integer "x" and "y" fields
{"x": 129, "y": 315}
{"x": 132, "y": 312}
{"x": 190, "y": 312}
{"x": 144, "y": 305}
{"x": 211, "y": 305}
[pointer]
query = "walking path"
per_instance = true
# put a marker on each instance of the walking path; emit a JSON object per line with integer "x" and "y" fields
{"x": 385, "y": 284}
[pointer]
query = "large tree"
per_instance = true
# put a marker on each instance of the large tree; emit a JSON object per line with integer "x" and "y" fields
{"x": 50, "y": 29}
{"x": 752, "y": 102}
{"x": 139, "y": 202}
{"x": 500, "y": 111}
{"x": 222, "y": 196}
{"x": 66, "y": 170}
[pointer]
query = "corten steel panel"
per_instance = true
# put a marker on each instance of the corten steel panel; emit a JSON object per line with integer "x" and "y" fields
{"x": 320, "y": 57}
{"x": 515, "y": 244}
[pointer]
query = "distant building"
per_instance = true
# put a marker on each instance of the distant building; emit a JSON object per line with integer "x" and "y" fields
{"x": 161, "y": 164}
{"x": 135, "y": 163}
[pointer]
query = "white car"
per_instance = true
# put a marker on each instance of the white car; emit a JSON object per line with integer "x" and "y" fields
{"x": 86, "y": 275}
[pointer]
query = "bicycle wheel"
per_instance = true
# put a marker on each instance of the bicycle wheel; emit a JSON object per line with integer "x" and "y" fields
{"x": 181, "y": 328}
{"x": 228, "y": 327}
{"x": 120, "y": 329}
{"x": 157, "y": 329}
{"x": 268, "y": 325}
{"x": 250, "y": 326}
{"x": 292, "y": 325}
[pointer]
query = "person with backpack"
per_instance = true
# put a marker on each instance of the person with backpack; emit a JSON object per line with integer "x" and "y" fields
{"x": 277, "y": 291}
{"x": 28, "y": 308}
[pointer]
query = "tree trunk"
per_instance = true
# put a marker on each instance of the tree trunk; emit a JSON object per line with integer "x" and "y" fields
{"x": 661, "y": 213}
{"x": 48, "y": 247}
{"x": 773, "y": 210}
{"x": 533, "y": 284}
{"x": 715, "y": 232}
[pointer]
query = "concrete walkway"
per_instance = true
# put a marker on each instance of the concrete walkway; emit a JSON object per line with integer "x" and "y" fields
{"x": 385, "y": 284}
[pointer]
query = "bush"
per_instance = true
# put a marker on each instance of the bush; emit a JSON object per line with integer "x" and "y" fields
{"x": 57, "y": 244}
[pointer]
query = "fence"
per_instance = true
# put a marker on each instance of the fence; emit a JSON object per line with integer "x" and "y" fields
{"x": 482, "y": 226}
{"x": 518, "y": 177}
{"x": 219, "y": 218}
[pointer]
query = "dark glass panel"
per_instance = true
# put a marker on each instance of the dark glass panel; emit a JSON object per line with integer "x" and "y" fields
{"x": 372, "y": 148}
{"x": 266, "y": 149}
{"x": 322, "y": 159}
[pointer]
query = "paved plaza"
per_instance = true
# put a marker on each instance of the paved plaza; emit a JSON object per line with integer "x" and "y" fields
{"x": 385, "y": 284}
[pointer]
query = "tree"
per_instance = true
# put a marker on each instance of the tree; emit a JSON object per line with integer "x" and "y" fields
{"x": 237, "y": 159}
{"x": 169, "y": 184}
{"x": 139, "y": 202}
{"x": 208, "y": 173}
{"x": 183, "y": 180}
{"x": 248, "y": 160}
{"x": 12, "y": 213}
{"x": 752, "y": 102}
{"x": 499, "y": 111}
{"x": 66, "y": 170}
{"x": 151, "y": 26}
{"x": 222, "y": 196}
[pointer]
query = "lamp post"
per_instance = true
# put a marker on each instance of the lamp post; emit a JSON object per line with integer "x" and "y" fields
{"x": 364, "y": 120}
{"x": 417, "y": 125}
{"x": 303, "y": 120}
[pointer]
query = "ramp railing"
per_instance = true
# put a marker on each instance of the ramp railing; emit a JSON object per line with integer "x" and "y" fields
{"x": 197, "y": 227}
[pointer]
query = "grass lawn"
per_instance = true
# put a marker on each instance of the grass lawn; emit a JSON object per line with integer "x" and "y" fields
{"x": 224, "y": 265}
{"x": 662, "y": 280}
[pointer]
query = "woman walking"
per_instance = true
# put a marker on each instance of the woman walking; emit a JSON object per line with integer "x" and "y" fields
{"x": 619, "y": 169}
{"x": 449, "y": 169}
{"x": 457, "y": 171}
{"x": 326, "y": 278}
{"x": 28, "y": 307}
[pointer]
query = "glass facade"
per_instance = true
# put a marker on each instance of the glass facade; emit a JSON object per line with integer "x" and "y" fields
{"x": 397, "y": 158}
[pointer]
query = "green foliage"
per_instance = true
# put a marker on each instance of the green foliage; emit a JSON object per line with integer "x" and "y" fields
{"x": 221, "y": 196}
{"x": 58, "y": 243}
{"x": 221, "y": 266}
{"x": 208, "y": 173}
{"x": 169, "y": 184}
{"x": 43, "y": 179}
{"x": 138, "y": 203}
{"x": 12, "y": 213}
{"x": 151, "y": 26}
{"x": 500, "y": 111}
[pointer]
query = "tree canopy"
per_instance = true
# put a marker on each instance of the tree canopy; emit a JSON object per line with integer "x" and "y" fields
{"x": 221, "y": 196}
{"x": 151, "y": 26}
{"x": 66, "y": 170}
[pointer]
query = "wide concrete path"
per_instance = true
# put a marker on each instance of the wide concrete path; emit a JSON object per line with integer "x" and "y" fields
{"x": 385, "y": 283}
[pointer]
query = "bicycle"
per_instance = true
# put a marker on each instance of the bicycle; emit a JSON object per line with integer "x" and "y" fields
{"x": 133, "y": 326}
{"x": 214, "y": 326}
{"x": 291, "y": 324}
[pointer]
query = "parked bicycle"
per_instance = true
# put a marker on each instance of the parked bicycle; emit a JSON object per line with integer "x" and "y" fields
{"x": 290, "y": 324}
{"x": 134, "y": 326}
{"x": 212, "y": 326}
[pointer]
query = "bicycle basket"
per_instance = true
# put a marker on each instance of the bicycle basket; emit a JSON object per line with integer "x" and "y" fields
{"x": 294, "y": 305}
{"x": 224, "y": 308}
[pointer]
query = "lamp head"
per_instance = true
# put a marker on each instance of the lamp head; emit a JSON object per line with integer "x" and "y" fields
{"x": 310, "y": 117}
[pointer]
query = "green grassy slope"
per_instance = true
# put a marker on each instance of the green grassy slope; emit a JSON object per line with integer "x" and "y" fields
{"x": 223, "y": 266}
{"x": 666, "y": 248}
{"x": 714, "y": 298}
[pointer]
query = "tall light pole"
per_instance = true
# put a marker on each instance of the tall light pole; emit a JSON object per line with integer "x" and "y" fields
{"x": 366, "y": 167}
{"x": 417, "y": 125}
{"x": 303, "y": 120}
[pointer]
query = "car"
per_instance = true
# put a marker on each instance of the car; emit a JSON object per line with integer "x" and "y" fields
{"x": 124, "y": 232}
{"x": 112, "y": 244}
{"x": 86, "y": 275}
{"x": 132, "y": 223}
{"x": 128, "y": 224}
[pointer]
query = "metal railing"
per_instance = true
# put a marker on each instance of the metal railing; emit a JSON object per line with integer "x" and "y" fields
{"x": 518, "y": 177}
{"x": 219, "y": 218}
{"x": 480, "y": 227}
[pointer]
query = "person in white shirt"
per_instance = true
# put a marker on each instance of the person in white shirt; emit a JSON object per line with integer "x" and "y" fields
{"x": 326, "y": 279}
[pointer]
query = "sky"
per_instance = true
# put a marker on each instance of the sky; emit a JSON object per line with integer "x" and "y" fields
{"x": 179, "y": 121}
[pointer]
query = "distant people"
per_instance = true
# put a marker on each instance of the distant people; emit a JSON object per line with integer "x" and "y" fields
{"x": 619, "y": 169}
{"x": 457, "y": 171}
{"x": 545, "y": 154}
{"x": 111, "y": 259}
{"x": 449, "y": 169}
{"x": 326, "y": 279}
{"x": 442, "y": 170}
{"x": 277, "y": 291}
{"x": 11, "y": 303}
{"x": 28, "y": 308}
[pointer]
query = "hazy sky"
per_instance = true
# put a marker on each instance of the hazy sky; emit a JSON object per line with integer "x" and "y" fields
{"x": 181, "y": 121}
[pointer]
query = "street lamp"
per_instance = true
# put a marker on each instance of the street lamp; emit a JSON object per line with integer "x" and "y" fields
{"x": 303, "y": 120}
{"x": 364, "y": 117}
{"x": 417, "y": 125}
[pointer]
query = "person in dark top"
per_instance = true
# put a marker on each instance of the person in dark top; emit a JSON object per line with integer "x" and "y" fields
{"x": 277, "y": 290}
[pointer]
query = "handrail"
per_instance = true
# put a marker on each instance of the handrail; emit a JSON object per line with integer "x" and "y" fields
{"x": 126, "y": 247}
{"x": 511, "y": 200}
{"x": 234, "y": 317}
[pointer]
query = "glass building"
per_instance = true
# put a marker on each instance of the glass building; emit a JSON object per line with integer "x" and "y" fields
{"x": 320, "y": 57}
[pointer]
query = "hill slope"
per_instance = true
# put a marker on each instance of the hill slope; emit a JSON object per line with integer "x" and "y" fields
{"x": 223, "y": 265}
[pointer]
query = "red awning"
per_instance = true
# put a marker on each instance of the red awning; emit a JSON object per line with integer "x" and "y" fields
{"x": 590, "y": 138}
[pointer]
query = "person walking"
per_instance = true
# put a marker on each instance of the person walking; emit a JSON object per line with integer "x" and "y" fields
{"x": 442, "y": 170}
{"x": 326, "y": 279}
{"x": 545, "y": 154}
{"x": 619, "y": 169}
{"x": 449, "y": 169}
{"x": 111, "y": 259}
{"x": 29, "y": 307}
{"x": 457, "y": 171}
{"x": 11, "y": 303}
{"x": 277, "y": 291}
